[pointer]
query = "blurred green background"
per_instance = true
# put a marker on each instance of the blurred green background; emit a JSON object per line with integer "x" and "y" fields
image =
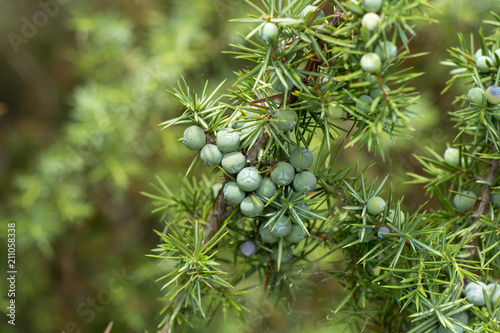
{"x": 83, "y": 89}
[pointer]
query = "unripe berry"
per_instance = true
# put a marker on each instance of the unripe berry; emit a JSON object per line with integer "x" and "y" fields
{"x": 464, "y": 201}
{"x": 228, "y": 140}
{"x": 371, "y": 5}
{"x": 308, "y": 12}
{"x": 364, "y": 99}
{"x": 248, "y": 248}
{"x": 474, "y": 285}
{"x": 495, "y": 198}
{"x": 304, "y": 179}
{"x": 266, "y": 234}
{"x": 483, "y": 64}
{"x": 475, "y": 95}
{"x": 269, "y": 31}
{"x": 283, "y": 174}
{"x": 386, "y": 50}
{"x": 375, "y": 205}
{"x": 296, "y": 235}
{"x": 233, "y": 162}
{"x": 216, "y": 189}
{"x": 474, "y": 293}
{"x": 479, "y": 53}
{"x": 194, "y": 137}
{"x": 382, "y": 231}
{"x": 248, "y": 179}
{"x": 451, "y": 156}
{"x": 287, "y": 120}
{"x": 281, "y": 228}
{"x": 334, "y": 111}
{"x": 368, "y": 236}
{"x": 301, "y": 158}
{"x": 371, "y": 63}
{"x": 370, "y": 21}
{"x": 210, "y": 155}
{"x": 493, "y": 94}
{"x": 251, "y": 206}
{"x": 267, "y": 188}
{"x": 233, "y": 193}
{"x": 497, "y": 53}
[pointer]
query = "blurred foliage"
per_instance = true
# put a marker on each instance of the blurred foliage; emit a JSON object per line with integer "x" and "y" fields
{"x": 79, "y": 108}
{"x": 80, "y": 218}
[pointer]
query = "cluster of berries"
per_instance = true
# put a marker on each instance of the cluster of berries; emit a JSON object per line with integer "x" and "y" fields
{"x": 475, "y": 294}
{"x": 486, "y": 64}
{"x": 249, "y": 190}
{"x": 464, "y": 200}
{"x": 372, "y": 62}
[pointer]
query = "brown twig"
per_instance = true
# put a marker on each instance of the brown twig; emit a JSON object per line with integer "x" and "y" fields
{"x": 483, "y": 204}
